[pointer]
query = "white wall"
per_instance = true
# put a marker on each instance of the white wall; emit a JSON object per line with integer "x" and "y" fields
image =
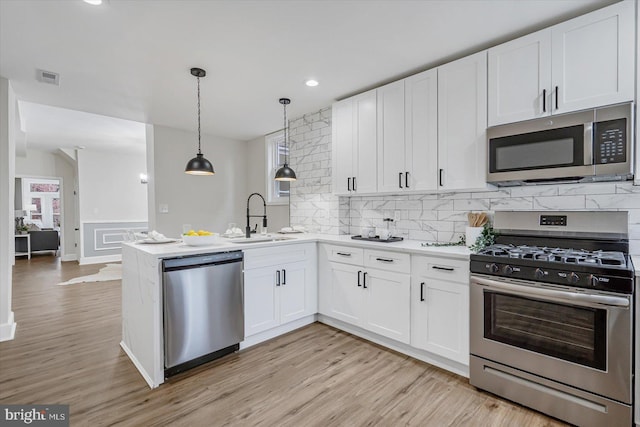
{"x": 8, "y": 107}
{"x": 109, "y": 184}
{"x": 277, "y": 215}
{"x": 43, "y": 164}
{"x": 205, "y": 202}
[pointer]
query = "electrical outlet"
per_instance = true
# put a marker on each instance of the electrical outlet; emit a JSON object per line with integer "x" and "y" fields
{"x": 163, "y": 208}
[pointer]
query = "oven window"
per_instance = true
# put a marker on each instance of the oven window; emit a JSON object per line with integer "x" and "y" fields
{"x": 576, "y": 334}
{"x": 551, "y": 148}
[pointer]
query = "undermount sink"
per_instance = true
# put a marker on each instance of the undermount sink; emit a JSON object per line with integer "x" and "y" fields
{"x": 260, "y": 239}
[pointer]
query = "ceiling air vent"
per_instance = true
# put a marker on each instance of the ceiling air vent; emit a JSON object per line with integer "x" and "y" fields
{"x": 48, "y": 77}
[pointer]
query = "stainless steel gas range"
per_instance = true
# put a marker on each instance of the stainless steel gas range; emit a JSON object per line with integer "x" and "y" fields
{"x": 552, "y": 315}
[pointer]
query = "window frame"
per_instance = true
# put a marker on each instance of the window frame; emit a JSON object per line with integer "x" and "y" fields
{"x": 272, "y": 164}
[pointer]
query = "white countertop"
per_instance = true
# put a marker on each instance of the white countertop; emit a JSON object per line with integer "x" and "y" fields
{"x": 169, "y": 250}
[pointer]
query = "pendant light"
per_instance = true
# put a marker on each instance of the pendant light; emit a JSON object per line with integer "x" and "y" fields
{"x": 285, "y": 173}
{"x": 199, "y": 165}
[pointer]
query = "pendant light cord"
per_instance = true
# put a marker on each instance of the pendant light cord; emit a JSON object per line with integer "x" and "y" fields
{"x": 286, "y": 140}
{"x": 199, "y": 151}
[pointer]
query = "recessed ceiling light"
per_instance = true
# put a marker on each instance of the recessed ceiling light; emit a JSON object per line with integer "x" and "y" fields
{"x": 311, "y": 83}
{"x": 94, "y": 2}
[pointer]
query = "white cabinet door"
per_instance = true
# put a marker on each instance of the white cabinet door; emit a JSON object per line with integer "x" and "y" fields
{"x": 261, "y": 303}
{"x": 421, "y": 132}
{"x": 593, "y": 59}
{"x": 343, "y": 134}
{"x": 391, "y": 137}
{"x": 366, "y": 139}
{"x": 387, "y": 304}
{"x": 294, "y": 289}
{"x": 440, "y": 318}
{"x": 346, "y": 297}
{"x": 519, "y": 80}
{"x": 462, "y": 123}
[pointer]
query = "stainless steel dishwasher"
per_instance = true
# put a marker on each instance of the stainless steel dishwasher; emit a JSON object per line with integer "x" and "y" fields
{"x": 203, "y": 309}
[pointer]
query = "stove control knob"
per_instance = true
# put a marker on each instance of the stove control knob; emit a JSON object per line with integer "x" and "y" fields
{"x": 573, "y": 278}
{"x": 493, "y": 268}
{"x": 539, "y": 274}
{"x": 593, "y": 280}
{"x": 508, "y": 269}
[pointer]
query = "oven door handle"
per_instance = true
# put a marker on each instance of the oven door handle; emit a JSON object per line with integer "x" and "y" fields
{"x": 562, "y": 296}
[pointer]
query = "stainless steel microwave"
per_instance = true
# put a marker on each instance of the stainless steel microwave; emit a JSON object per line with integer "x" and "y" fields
{"x": 590, "y": 145}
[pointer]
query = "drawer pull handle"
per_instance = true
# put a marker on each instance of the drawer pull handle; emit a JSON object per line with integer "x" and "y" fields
{"x": 342, "y": 254}
{"x": 384, "y": 259}
{"x": 435, "y": 267}
{"x": 359, "y": 273}
{"x": 422, "y": 291}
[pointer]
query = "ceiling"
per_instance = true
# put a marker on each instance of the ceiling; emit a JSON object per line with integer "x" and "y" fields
{"x": 130, "y": 59}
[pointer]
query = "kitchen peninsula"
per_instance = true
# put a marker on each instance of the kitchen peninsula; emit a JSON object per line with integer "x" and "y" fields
{"x": 330, "y": 276}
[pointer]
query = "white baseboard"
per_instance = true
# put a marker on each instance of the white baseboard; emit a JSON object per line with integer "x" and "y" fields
{"x": 8, "y": 330}
{"x": 272, "y": 333}
{"x": 69, "y": 257}
{"x": 138, "y": 365}
{"x": 432, "y": 359}
{"x": 100, "y": 259}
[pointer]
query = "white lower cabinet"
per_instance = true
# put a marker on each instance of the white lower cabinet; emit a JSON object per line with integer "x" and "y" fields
{"x": 374, "y": 299}
{"x": 280, "y": 286}
{"x": 387, "y": 296}
{"x": 440, "y": 307}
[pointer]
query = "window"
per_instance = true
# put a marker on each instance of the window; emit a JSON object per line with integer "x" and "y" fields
{"x": 42, "y": 202}
{"x": 277, "y": 152}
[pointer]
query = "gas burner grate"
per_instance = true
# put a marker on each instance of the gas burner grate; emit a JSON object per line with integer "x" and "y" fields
{"x": 557, "y": 255}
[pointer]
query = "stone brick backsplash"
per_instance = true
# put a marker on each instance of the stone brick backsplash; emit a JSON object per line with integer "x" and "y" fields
{"x": 438, "y": 217}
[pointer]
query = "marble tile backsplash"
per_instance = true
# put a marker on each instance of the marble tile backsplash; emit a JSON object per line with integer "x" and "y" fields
{"x": 312, "y": 203}
{"x": 438, "y": 217}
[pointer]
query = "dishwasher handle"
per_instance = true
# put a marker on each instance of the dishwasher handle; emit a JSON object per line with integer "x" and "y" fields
{"x": 181, "y": 263}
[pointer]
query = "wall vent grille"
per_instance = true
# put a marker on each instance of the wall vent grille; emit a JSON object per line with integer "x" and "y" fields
{"x": 48, "y": 77}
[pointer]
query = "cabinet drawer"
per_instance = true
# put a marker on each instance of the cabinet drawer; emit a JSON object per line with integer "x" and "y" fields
{"x": 345, "y": 254}
{"x": 440, "y": 268}
{"x": 278, "y": 255}
{"x": 388, "y": 261}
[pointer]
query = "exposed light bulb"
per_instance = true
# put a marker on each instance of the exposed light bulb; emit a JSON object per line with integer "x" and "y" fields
{"x": 311, "y": 83}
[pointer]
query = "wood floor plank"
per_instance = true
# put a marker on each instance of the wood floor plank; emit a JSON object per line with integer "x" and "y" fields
{"x": 67, "y": 351}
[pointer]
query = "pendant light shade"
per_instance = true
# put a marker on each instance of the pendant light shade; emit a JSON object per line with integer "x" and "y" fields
{"x": 285, "y": 173}
{"x": 199, "y": 165}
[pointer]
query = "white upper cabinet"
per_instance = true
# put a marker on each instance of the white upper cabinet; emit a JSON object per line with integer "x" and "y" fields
{"x": 582, "y": 63}
{"x": 520, "y": 79}
{"x": 462, "y": 123}
{"x": 354, "y": 144}
{"x": 421, "y": 130}
{"x": 592, "y": 59}
{"x": 408, "y": 134}
{"x": 391, "y": 137}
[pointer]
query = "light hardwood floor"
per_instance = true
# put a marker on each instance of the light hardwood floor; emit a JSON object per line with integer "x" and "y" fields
{"x": 67, "y": 351}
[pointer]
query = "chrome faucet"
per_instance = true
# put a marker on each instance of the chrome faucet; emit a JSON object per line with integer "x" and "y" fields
{"x": 264, "y": 216}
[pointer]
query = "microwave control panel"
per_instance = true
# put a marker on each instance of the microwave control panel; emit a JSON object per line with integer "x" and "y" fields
{"x": 610, "y": 141}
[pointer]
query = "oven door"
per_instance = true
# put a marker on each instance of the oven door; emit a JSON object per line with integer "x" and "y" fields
{"x": 576, "y": 338}
{"x": 542, "y": 149}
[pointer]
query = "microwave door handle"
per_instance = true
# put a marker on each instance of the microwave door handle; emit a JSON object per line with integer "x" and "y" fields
{"x": 588, "y": 144}
{"x": 587, "y": 300}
